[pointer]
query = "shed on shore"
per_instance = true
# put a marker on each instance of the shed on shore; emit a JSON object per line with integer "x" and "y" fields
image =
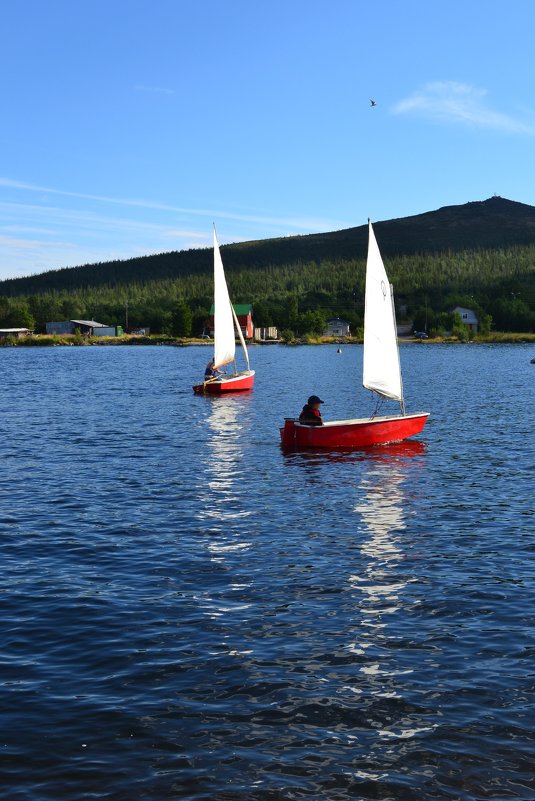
{"x": 86, "y": 327}
{"x": 14, "y": 332}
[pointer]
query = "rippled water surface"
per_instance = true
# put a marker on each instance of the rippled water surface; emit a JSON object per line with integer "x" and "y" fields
{"x": 188, "y": 613}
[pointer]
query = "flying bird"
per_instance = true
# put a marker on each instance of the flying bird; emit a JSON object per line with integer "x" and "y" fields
{"x": 373, "y": 103}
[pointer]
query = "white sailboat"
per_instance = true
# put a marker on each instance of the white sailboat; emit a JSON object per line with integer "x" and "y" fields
{"x": 381, "y": 370}
{"x": 226, "y": 326}
{"x": 381, "y": 374}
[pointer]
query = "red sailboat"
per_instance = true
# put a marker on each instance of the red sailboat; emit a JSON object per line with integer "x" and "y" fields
{"x": 226, "y": 326}
{"x": 381, "y": 374}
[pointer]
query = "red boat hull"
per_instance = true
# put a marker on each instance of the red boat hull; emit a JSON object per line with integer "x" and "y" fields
{"x": 352, "y": 434}
{"x": 232, "y": 383}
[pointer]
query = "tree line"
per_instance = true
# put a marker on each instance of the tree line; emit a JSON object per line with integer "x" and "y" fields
{"x": 299, "y": 297}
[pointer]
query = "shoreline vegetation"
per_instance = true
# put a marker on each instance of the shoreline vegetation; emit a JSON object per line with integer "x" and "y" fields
{"x": 66, "y": 340}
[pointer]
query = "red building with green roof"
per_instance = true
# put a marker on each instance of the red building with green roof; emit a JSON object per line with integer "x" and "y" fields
{"x": 244, "y": 313}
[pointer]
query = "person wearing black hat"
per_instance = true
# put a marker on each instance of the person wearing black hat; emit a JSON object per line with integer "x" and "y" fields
{"x": 310, "y": 414}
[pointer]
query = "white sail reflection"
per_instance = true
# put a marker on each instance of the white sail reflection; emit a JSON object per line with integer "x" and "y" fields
{"x": 224, "y": 460}
{"x": 223, "y": 509}
{"x": 381, "y": 510}
{"x": 382, "y": 514}
{"x": 222, "y": 503}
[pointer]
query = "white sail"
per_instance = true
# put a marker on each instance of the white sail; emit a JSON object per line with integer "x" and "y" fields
{"x": 381, "y": 369}
{"x": 224, "y": 336}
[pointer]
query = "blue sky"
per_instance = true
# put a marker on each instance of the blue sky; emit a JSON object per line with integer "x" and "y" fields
{"x": 128, "y": 126}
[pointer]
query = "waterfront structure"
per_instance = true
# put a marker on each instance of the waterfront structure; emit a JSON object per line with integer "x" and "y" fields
{"x": 468, "y": 318}
{"x": 244, "y": 314}
{"x": 86, "y": 327}
{"x": 266, "y": 334}
{"x": 14, "y": 332}
{"x": 108, "y": 331}
{"x": 337, "y": 328}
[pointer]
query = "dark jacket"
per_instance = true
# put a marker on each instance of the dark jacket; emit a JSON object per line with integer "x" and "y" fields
{"x": 310, "y": 416}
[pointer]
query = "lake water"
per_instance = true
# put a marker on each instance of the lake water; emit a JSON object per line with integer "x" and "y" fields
{"x": 189, "y": 613}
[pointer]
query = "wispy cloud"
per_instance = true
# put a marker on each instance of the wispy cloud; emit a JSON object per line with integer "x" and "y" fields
{"x": 41, "y": 232}
{"x": 11, "y": 242}
{"x": 450, "y": 101}
{"x": 289, "y": 223}
{"x": 36, "y": 237}
{"x": 27, "y": 256}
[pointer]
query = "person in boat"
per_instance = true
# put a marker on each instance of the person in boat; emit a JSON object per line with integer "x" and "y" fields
{"x": 311, "y": 414}
{"x": 212, "y": 371}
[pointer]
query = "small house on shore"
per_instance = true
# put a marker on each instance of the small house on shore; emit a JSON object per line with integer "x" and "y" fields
{"x": 337, "y": 328}
{"x": 468, "y": 318}
{"x": 244, "y": 313}
{"x": 86, "y": 327}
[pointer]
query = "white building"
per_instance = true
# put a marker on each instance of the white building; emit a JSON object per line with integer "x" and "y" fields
{"x": 468, "y": 318}
{"x": 269, "y": 333}
{"x": 337, "y": 328}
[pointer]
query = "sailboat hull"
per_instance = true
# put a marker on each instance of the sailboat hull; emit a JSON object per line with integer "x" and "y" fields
{"x": 352, "y": 434}
{"x": 239, "y": 382}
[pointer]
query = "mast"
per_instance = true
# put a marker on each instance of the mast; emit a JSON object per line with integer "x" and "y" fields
{"x": 402, "y": 399}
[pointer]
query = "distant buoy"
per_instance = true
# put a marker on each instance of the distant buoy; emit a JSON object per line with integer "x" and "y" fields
{"x": 533, "y": 360}
{"x": 339, "y": 350}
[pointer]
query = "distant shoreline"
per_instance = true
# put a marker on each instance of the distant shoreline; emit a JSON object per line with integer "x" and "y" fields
{"x": 45, "y": 340}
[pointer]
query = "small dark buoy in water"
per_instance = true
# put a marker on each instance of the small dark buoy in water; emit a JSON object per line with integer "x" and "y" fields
{"x": 339, "y": 350}
{"x": 533, "y": 360}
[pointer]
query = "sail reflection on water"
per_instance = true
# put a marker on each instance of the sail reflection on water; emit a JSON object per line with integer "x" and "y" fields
{"x": 385, "y": 635}
{"x": 382, "y": 509}
{"x": 222, "y": 500}
{"x": 383, "y": 512}
{"x": 223, "y": 510}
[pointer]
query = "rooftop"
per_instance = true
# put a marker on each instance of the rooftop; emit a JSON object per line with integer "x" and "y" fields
{"x": 241, "y": 309}
{"x": 91, "y": 323}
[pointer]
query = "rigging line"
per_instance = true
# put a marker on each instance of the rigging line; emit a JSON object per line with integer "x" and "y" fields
{"x": 379, "y": 400}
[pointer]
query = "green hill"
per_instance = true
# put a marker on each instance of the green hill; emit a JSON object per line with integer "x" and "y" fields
{"x": 480, "y": 255}
{"x": 491, "y": 224}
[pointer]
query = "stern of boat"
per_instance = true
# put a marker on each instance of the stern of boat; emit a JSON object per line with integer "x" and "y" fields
{"x": 288, "y": 433}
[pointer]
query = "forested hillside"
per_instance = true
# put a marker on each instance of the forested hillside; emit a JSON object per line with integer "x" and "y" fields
{"x": 480, "y": 255}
